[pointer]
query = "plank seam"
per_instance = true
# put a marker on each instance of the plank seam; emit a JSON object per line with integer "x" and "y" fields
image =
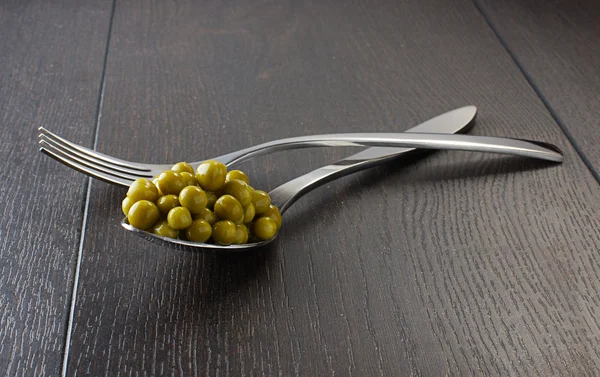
{"x": 588, "y": 163}
{"x": 100, "y": 103}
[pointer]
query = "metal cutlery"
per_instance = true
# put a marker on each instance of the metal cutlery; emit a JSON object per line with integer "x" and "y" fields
{"x": 459, "y": 120}
{"x": 121, "y": 172}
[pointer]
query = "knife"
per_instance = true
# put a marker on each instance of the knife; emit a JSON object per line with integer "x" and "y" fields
{"x": 456, "y": 121}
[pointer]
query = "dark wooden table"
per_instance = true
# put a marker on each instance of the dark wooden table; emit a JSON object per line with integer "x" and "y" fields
{"x": 455, "y": 264}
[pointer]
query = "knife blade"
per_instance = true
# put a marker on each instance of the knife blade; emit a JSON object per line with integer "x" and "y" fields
{"x": 454, "y": 121}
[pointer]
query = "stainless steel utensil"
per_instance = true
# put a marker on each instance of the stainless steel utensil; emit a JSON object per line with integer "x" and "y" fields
{"x": 285, "y": 195}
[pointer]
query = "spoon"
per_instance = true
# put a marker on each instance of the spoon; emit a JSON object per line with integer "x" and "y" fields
{"x": 285, "y": 195}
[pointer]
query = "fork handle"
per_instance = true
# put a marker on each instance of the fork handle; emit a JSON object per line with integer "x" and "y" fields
{"x": 515, "y": 147}
{"x": 286, "y": 194}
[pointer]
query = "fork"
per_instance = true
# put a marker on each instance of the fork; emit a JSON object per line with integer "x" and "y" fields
{"x": 122, "y": 172}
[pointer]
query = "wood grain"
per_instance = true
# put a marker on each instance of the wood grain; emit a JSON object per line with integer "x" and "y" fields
{"x": 460, "y": 264}
{"x": 50, "y": 65}
{"x": 558, "y": 45}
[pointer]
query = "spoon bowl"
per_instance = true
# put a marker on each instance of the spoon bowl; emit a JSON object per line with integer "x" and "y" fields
{"x": 189, "y": 245}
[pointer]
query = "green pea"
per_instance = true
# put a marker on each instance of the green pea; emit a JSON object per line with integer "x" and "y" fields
{"x": 181, "y": 167}
{"x": 249, "y": 213}
{"x": 206, "y": 215}
{"x": 211, "y": 200}
{"x": 163, "y": 229}
{"x": 193, "y": 198}
{"x": 237, "y": 174}
{"x": 224, "y": 232}
{"x": 273, "y": 212}
{"x": 166, "y": 203}
{"x": 126, "y": 205}
{"x": 211, "y": 175}
{"x": 241, "y": 234}
{"x": 170, "y": 182}
{"x": 142, "y": 189}
{"x": 264, "y": 228}
{"x": 143, "y": 214}
{"x": 198, "y": 231}
{"x": 261, "y": 201}
{"x": 229, "y": 208}
{"x": 189, "y": 179}
{"x": 179, "y": 218}
{"x": 155, "y": 181}
{"x": 239, "y": 190}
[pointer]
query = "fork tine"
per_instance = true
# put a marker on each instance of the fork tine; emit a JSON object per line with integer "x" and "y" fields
{"x": 85, "y": 170}
{"x": 90, "y": 153}
{"x": 91, "y": 161}
{"x": 85, "y": 167}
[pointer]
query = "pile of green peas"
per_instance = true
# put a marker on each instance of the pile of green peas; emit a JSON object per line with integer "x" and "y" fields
{"x": 208, "y": 205}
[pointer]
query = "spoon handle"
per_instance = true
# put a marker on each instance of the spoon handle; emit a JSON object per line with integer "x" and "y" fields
{"x": 286, "y": 194}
